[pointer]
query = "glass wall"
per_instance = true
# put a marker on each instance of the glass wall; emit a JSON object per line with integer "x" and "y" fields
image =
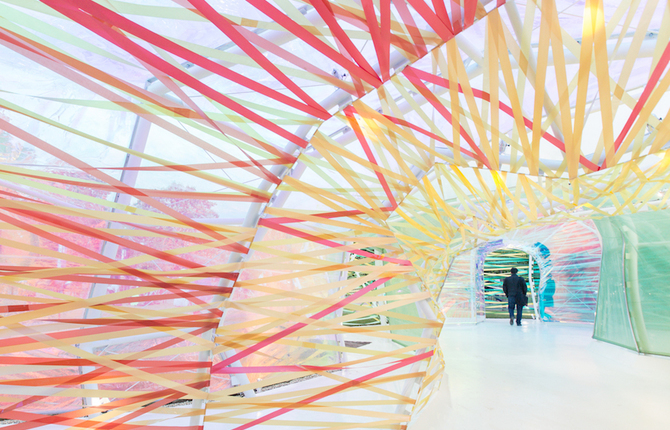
{"x": 634, "y": 301}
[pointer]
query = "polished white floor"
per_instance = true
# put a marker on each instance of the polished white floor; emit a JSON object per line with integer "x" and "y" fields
{"x": 547, "y": 376}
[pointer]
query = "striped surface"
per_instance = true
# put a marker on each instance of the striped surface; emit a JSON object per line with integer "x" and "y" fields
{"x": 283, "y": 139}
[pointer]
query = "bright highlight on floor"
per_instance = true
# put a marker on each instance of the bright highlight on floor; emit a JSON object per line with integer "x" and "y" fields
{"x": 544, "y": 376}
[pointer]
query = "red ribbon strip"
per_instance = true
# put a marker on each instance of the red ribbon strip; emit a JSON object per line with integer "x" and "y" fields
{"x": 649, "y": 87}
{"x": 502, "y": 106}
{"x": 337, "y": 389}
{"x": 290, "y": 330}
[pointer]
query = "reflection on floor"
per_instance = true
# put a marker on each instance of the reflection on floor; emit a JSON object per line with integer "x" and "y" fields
{"x": 544, "y": 376}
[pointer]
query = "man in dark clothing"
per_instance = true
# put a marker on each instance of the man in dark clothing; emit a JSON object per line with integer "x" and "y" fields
{"x": 515, "y": 289}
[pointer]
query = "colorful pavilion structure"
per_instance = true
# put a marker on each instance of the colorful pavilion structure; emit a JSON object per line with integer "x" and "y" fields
{"x": 237, "y": 214}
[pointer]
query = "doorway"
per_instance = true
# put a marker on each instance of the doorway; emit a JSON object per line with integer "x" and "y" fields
{"x": 497, "y": 266}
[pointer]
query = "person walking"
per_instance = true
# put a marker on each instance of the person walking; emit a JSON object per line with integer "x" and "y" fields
{"x": 515, "y": 289}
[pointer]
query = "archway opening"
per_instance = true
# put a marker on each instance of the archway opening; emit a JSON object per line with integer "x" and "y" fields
{"x": 497, "y": 266}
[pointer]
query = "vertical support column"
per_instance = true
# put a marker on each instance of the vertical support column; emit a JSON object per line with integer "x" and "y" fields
{"x": 536, "y": 314}
{"x": 473, "y": 285}
{"x": 623, "y": 285}
{"x": 138, "y": 143}
{"x": 339, "y": 337}
{"x": 632, "y": 289}
{"x": 382, "y": 318}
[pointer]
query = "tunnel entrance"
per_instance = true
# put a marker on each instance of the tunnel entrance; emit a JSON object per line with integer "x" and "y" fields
{"x": 497, "y": 267}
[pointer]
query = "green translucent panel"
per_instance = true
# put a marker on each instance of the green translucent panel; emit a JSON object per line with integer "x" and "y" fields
{"x": 612, "y": 320}
{"x": 639, "y": 246}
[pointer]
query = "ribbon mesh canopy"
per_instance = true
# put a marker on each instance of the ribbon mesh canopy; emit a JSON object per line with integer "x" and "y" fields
{"x": 239, "y": 214}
